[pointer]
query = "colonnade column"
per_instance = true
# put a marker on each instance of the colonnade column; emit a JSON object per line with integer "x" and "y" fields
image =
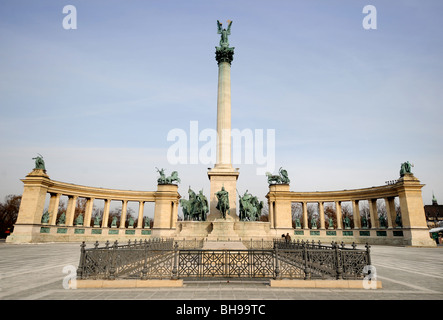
{"x": 88, "y": 212}
{"x": 54, "y": 203}
{"x": 390, "y": 210}
{"x": 123, "y": 213}
{"x": 373, "y": 213}
{"x": 321, "y": 213}
{"x": 141, "y": 205}
{"x": 305, "y": 215}
{"x": 106, "y": 213}
{"x": 338, "y": 215}
{"x": 174, "y": 214}
{"x": 271, "y": 213}
{"x": 70, "y": 210}
{"x": 356, "y": 214}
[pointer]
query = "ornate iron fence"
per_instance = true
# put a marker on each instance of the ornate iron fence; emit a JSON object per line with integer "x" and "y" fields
{"x": 321, "y": 261}
{"x": 166, "y": 259}
{"x": 198, "y": 264}
{"x": 125, "y": 261}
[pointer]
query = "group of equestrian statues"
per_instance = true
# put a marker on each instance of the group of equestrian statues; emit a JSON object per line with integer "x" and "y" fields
{"x": 196, "y": 208}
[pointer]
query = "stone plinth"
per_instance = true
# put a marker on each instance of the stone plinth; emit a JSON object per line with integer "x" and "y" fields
{"x": 279, "y": 203}
{"x": 245, "y": 230}
{"x": 165, "y": 212}
{"x": 223, "y": 229}
{"x": 227, "y": 178}
{"x": 253, "y": 230}
{"x": 224, "y": 245}
{"x": 193, "y": 229}
{"x": 412, "y": 211}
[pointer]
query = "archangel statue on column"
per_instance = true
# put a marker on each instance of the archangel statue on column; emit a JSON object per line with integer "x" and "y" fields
{"x": 224, "y": 34}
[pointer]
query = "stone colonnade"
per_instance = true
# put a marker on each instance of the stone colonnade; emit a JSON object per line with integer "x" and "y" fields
{"x": 37, "y": 185}
{"x": 413, "y": 230}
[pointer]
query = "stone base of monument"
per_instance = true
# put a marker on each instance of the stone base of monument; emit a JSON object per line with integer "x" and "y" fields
{"x": 223, "y": 229}
{"x": 193, "y": 229}
{"x": 223, "y": 245}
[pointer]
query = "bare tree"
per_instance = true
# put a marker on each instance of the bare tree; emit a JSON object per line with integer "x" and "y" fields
{"x": 8, "y": 213}
{"x": 264, "y": 212}
{"x": 330, "y": 214}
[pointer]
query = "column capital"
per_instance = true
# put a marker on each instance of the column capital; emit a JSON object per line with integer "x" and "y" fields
{"x": 224, "y": 54}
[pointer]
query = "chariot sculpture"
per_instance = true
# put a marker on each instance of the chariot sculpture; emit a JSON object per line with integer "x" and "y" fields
{"x": 281, "y": 178}
{"x": 39, "y": 162}
{"x": 167, "y": 180}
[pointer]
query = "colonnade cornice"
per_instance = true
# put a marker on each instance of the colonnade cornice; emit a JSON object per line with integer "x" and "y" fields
{"x": 68, "y": 189}
{"x": 379, "y": 192}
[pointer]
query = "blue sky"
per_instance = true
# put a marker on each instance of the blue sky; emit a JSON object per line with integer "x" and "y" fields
{"x": 348, "y": 105}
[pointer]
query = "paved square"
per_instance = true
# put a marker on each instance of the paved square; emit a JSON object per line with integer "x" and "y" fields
{"x": 36, "y": 271}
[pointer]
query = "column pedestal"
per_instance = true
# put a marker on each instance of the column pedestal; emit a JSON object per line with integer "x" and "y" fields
{"x": 165, "y": 212}
{"x": 226, "y": 178}
{"x": 415, "y": 229}
{"x": 281, "y": 208}
{"x": 223, "y": 229}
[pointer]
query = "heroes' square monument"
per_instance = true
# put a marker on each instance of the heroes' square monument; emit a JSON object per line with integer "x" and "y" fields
{"x": 218, "y": 217}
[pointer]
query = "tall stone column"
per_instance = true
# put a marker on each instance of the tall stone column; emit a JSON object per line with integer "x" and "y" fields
{"x": 223, "y": 175}
{"x": 224, "y": 115}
